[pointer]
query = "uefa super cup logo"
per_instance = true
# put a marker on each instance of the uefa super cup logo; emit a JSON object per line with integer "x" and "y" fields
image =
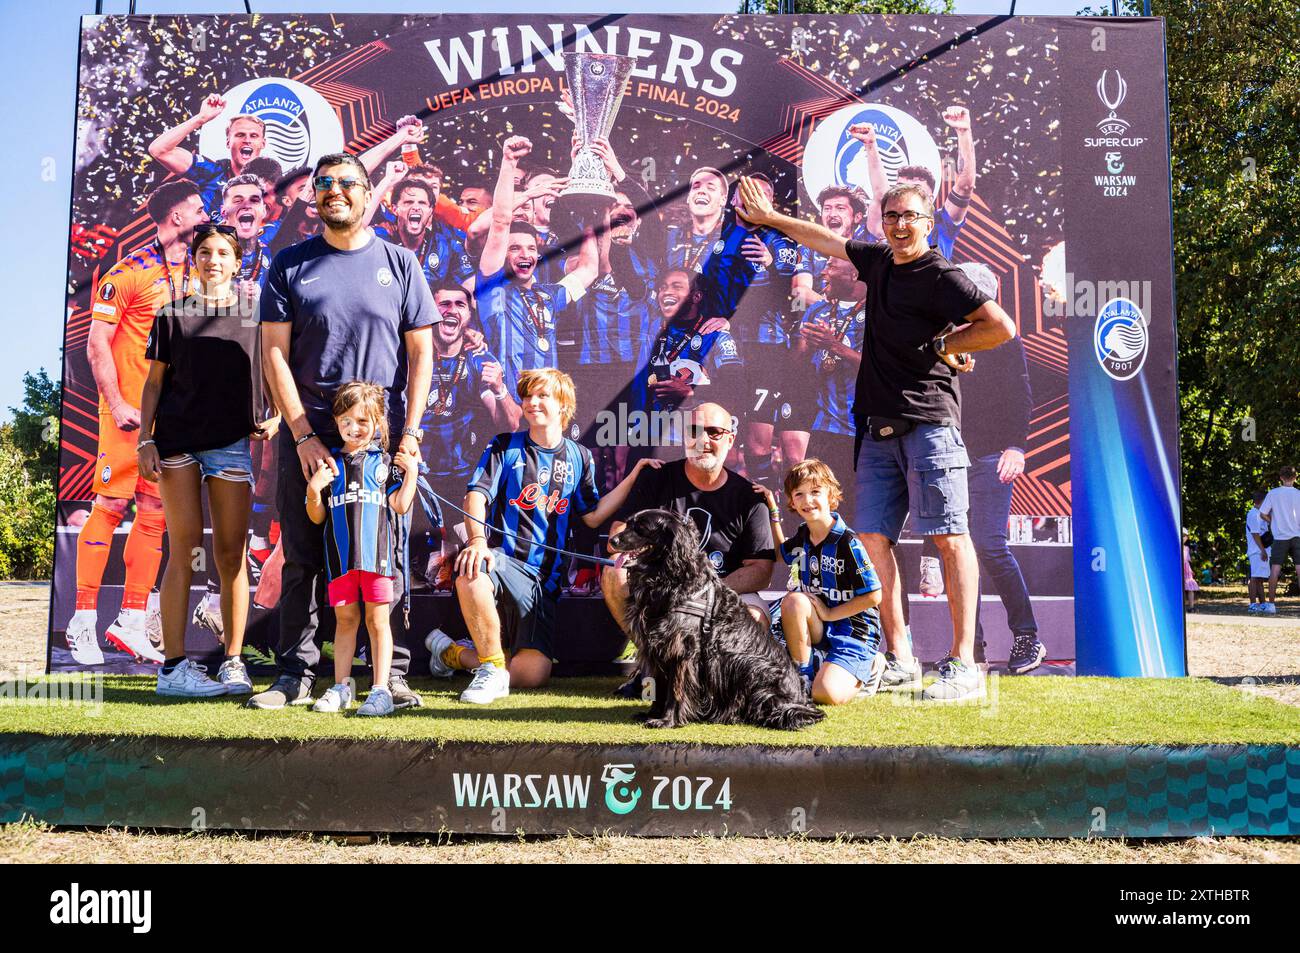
{"x": 1112, "y": 97}
{"x": 833, "y": 157}
{"x": 1120, "y": 339}
{"x": 300, "y": 125}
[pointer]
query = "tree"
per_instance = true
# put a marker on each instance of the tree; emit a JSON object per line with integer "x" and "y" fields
{"x": 29, "y": 459}
{"x": 27, "y": 529}
{"x": 1234, "y": 102}
{"x": 36, "y": 425}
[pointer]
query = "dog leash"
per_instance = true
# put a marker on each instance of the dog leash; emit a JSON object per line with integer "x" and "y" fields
{"x": 423, "y": 487}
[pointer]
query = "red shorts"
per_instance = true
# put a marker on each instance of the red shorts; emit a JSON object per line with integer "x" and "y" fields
{"x": 360, "y": 586}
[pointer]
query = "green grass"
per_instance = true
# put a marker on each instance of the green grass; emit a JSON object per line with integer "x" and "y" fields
{"x": 1020, "y": 711}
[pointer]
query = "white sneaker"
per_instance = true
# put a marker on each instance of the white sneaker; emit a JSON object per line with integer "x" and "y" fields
{"x": 128, "y": 633}
{"x": 958, "y": 682}
{"x": 187, "y": 680}
{"x": 1268, "y": 608}
{"x": 153, "y": 620}
{"x": 207, "y": 614}
{"x": 438, "y": 642}
{"x": 490, "y": 683}
{"x": 379, "y": 701}
{"x": 872, "y": 684}
{"x": 337, "y": 698}
{"x": 931, "y": 577}
{"x": 234, "y": 676}
{"x": 83, "y": 639}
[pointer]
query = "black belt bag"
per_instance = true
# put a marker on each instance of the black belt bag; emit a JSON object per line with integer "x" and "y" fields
{"x": 887, "y": 428}
{"x": 880, "y": 428}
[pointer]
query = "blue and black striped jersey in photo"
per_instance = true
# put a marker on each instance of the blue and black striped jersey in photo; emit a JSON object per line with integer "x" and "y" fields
{"x": 209, "y": 175}
{"x": 255, "y": 264}
{"x": 944, "y": 236}
{"x": 812, "y": 263}
{"x": 836, "y": 377}
{"x": 532, "y": 492}
{"x": 682, "y": 351}
{"x": 441, "y": 251}
{"x": 359, "y": 530}
{"x": 753, "y": 295}
{"x": 519, "y": 322}
{"x": 455, "y": 422}
{"x": 550, "y": 259}
{"x": 837, "y": 569}
{"x": 614, "y": 322}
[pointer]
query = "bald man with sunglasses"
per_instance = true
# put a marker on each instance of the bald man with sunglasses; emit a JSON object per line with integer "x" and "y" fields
{"x": 735, "y": 532}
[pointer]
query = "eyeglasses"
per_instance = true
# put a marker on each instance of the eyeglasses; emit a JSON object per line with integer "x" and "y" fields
{"x": 325, "y": 183}
{"x": 907, "y": 218}
{"x": 209, "y": 228}
{"x": 715, "y": 433}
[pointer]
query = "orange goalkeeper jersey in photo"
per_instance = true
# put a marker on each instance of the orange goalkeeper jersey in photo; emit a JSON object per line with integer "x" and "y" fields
{"x": 129, "y": 295}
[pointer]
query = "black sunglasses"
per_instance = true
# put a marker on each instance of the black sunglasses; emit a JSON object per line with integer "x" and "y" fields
{"x": 210, "y": 228}
{"x": 715, "y": 433}
{"x": 323, "y": 183}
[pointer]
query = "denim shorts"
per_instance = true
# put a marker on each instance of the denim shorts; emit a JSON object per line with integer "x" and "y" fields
{"x": 233, "y": 463}
{"x": 526, "y": 612}
{"x": 924, "y": 472}
{"x": 844, "y": 646}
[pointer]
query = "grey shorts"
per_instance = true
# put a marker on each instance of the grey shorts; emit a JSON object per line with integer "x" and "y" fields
{"x": 922, "y": 472}
{"x": 1277, "y": 553}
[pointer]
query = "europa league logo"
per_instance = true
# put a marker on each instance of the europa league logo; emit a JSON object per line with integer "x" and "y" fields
{"x": 597, "y": 82}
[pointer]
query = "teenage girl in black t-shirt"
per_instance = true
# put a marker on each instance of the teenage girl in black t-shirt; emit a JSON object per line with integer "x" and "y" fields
{"x": 200, "y": 407}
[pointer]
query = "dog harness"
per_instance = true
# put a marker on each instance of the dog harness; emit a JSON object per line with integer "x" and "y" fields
{"x": 702, "y": 612}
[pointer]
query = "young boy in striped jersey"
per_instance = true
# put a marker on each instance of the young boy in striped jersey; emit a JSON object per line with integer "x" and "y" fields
{"x": 359, "y": 538}
{"x": 527, "y": 487}
{"x": 834, "y": 606}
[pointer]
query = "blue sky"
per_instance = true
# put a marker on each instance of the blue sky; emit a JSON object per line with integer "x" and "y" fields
{"x": 39, "y": 102}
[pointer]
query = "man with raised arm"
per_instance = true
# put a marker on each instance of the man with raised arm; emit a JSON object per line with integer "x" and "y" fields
{"x": 924, "y": 316}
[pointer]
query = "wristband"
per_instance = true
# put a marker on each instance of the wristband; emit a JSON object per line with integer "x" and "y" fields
{"x": 959, "y": 200}
{"x": 144, "y": 443}
{"x": 304, "y": 438}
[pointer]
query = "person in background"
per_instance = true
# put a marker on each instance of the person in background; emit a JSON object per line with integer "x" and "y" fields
{"x": 1257, "y": 555}
{"x": 1281, "y": 510}
{"x": 1190, "y": 585}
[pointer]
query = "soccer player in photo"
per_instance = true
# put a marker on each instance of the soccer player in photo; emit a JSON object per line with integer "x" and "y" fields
{"x": 688, "y": 364}
{"x": 843, "y": 209}
{"x": 439, "y": 249}
{"x": 125, "y": 302}
{"x": 245, "y": 139}
{"x": 243, "y": 207}
{"x": 268, "y": 173}
{"x": 518, "y": 312}
{"x": 690, "y": 242}
{"x": 829, "y": 337}
{"x": 531, "y": 485}
{"x": 468, "y": 403}
{"x": 950, "y": 216}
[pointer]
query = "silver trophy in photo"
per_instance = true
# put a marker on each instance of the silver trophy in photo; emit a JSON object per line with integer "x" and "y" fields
{"x": 597, "y": 82}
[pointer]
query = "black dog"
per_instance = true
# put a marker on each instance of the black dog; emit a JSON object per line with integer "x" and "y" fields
{"x": 712, "y": 662}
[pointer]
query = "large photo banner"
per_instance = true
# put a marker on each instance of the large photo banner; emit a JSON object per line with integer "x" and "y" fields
{"x": 1042, "y": 142}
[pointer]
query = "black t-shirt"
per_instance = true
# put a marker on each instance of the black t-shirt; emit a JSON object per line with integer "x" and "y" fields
{"x": 732, "y": 519}
{"x": 907, "y": 305}
{"x": 212, "y": 389}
